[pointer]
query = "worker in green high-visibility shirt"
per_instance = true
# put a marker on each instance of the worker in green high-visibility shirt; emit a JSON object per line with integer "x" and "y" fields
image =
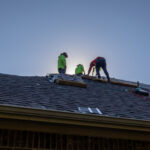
{"x": 79, "y": 71}
{"x": 62, "y": 63}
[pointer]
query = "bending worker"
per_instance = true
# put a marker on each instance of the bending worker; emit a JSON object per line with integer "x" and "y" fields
{"x": 79, "y": 70}
{"x": 99, "y": 62}
{"x": 62, "y": 62}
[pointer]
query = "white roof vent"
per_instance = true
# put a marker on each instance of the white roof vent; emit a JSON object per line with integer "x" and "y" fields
{"x": 87, "y": 110}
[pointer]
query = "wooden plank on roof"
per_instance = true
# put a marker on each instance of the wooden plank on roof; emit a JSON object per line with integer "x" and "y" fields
{"x": 116, "y": 82}
{"x": 124, "y": 83}
{"x": 94, "y": 79}
{"x": 71, "y": 83}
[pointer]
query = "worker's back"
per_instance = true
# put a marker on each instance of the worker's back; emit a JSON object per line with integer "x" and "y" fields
{"x": 79, "y": 69}
{"x": 61, "y": 62}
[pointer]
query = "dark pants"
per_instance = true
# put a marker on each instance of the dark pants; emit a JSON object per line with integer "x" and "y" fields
{"x": 101, "y": 63}
{"x": 60, "y": 70}
{"x": 79, "y": 74}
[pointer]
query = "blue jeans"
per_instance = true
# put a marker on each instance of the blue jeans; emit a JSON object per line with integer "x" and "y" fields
{"x": 60, "y": 70}
{"x": 79, "y": 74}
{"x": 101, "y": 63}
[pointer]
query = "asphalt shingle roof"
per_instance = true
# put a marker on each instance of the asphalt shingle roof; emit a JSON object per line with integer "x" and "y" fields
{"x": 38, "y": 92}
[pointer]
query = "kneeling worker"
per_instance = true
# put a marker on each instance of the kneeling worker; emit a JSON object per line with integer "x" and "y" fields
{"x": 79, "y": 70}
{"x": 62, "y": 62}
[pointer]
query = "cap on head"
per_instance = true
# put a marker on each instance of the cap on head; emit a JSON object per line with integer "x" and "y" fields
{"x": 65, "y": 54}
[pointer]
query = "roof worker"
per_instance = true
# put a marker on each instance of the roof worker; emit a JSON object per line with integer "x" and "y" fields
{"x": 99, "y": 62}
{"x": 79, "y": 70}
{"x": 62, "y": 62}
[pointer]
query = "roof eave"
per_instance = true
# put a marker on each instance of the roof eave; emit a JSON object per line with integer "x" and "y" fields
{"x": 70, "y": 118}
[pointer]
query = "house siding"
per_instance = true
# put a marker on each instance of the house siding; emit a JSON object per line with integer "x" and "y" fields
{"x": 28, "y": 140}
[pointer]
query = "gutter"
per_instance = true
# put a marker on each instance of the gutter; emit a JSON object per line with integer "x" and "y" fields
{"x": 70, "y": 118}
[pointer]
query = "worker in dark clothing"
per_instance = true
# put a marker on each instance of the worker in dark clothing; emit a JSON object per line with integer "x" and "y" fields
{"x": 62, "y": 62}
{"x": 99, "y": 62}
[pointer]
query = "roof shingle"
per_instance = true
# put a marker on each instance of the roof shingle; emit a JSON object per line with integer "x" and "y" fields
{"x": 38, "y": 92}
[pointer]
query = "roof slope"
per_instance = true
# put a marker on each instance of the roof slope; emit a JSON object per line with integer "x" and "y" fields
{"x": 38, "y": 92}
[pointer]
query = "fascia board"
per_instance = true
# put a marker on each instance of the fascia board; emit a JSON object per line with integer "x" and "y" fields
{"x": 70, "y": 118}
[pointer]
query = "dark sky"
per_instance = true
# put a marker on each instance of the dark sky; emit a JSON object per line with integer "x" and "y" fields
{"x": 34, "y": 32}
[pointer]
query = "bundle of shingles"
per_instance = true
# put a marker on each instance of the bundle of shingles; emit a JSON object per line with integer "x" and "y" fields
{"x": 65, "y": 79}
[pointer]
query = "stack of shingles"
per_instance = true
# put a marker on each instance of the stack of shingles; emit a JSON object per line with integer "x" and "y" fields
{"x": 65, "y": 79}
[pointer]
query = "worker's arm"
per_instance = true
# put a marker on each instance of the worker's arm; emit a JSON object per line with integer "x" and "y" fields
{"x": 90, "y": 68}
{"x": 92, "y": 64}
{"x": 64, "y": 62}
{"x": 93, "y": 70}
{"x": 76, "y": 71}
{"x": 83, "y": 70}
